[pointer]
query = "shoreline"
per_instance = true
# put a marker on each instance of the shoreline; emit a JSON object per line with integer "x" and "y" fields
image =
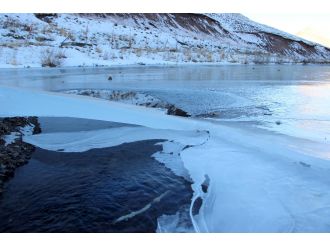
{"x": 14, "y": 151}
{"x": 132, "y": 98}
{"x": 167, "y": 65}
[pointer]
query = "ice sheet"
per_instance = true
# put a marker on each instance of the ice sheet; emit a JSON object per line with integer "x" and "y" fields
{"x": 258, "y": 182}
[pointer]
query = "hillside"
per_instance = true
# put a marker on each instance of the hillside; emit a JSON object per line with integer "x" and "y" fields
{"x": 115, "y": 39}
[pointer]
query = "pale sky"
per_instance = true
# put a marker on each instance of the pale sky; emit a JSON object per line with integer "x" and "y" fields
{"x": 314, "y": 27}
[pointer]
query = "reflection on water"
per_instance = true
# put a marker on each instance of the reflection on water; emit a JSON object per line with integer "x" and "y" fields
{"x": 262, "y": 94}
{"x": 317, "y": 100}
{"x": 165, "y": 77}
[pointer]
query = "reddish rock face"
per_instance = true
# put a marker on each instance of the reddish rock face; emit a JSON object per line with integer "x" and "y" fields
{"x": 271, "y": 39}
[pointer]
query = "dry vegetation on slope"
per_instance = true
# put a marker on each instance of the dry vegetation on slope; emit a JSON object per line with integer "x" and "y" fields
{"x": 108, "y": 39}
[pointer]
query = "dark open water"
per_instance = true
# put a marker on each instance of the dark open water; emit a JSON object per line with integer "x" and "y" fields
{"x": 90, "y": 191}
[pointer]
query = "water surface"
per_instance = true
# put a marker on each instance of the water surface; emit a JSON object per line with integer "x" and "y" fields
{"x": 289, "y": 99}
{"x": 90, "y": 191}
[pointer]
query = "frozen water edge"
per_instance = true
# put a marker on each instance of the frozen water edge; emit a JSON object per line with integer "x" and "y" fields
{"x": 258, "y": 182}
{"x": 86, "y": 140}
{"x": 170, "y": 156}
{"x": 13, "y": 136}
{"x": 178, "y": 223}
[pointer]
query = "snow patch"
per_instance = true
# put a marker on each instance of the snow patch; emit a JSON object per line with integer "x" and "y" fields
{"x": 11, "y": 138}
{"x": 23, "y": 131}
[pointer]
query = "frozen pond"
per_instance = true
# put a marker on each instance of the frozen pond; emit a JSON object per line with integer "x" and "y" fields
{"x": 289, "y": 99}
{"x": 259, "y": 181}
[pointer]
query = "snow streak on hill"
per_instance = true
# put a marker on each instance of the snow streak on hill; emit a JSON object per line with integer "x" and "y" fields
{"x": 108, "y": 39}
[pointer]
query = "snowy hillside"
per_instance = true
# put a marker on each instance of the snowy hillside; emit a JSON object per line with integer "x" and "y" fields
{"x": 113, "y": 39}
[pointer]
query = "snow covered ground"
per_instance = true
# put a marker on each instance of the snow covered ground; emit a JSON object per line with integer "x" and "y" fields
{"x": 123, "y": 39}
{"x": 259, "y": 181}
{"x": 23, "y": 131}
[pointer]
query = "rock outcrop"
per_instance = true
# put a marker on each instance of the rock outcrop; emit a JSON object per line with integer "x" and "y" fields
{"x": 15, "y": 152}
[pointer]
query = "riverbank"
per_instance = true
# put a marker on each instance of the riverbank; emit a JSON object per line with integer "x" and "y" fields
{"x": 14, "y": 152}
{"x": 131, "y": 97}
{"x": 55, "y": 40}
